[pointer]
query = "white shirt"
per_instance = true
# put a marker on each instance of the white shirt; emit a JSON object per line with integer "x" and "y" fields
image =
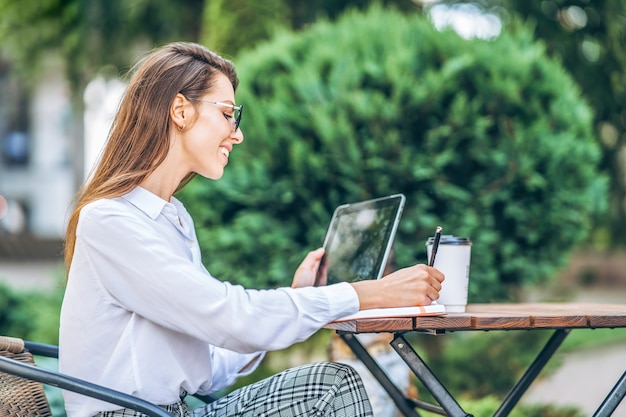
{"x": 143, "y": 316}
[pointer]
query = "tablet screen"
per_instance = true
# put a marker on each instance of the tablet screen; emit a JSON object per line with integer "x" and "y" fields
{"x": 359, "y": 239}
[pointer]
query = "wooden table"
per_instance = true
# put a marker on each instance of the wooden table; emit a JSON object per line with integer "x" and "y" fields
{"x": 560, "y": 317}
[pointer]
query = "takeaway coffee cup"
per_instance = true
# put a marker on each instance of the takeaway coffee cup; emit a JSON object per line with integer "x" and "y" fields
{"x": 453, "y": 260}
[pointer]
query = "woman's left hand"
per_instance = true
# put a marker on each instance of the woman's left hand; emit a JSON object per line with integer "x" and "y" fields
{"x": 307, "y": 272}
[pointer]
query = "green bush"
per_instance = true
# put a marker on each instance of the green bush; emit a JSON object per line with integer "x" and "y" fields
{"x": 15, "y": 320}
{"x": 489, "y": 139}
{"x": 30, "y": 315}
{"x": 34, "y": 315}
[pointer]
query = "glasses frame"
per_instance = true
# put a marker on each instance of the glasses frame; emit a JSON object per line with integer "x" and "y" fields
{"x": 237, "y": 109}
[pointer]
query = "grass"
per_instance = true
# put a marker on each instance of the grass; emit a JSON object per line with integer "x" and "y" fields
{"x": 582, "y": 339}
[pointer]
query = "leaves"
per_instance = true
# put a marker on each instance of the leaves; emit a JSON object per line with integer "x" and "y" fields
{"x": 478, "y": 134}
{"x": 90, "y": 35}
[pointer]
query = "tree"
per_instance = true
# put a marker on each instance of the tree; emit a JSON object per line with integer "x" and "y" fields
{"x": 231, "y": 26}
{"x": 89, "y": 36}
{"x": 491, "y": 139}
{"x": 101, "y": 36}
{"x": 589, "y": 38}
{"x": 93, "y": 34}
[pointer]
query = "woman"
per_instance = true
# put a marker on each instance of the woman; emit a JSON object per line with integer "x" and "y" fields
{"x": 142, "y": 315}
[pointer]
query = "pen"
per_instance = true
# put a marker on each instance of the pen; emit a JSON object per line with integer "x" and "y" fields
{"x": 435, "y": 246}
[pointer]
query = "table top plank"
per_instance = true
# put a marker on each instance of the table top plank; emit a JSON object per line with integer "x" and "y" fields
{"x": 447, "y": 322}
{"x": 501, "y": 316}
{"x": 559, "y": 321}
{"x": 498, "y": 321}
{"x": 605, "y": 321}
{"x": 383, "y": 325}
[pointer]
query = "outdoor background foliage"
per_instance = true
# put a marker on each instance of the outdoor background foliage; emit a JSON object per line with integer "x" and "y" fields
{"x": 589, "y": 38}
{"x": 490, "y": 139}
{"x": 104, "y": 36}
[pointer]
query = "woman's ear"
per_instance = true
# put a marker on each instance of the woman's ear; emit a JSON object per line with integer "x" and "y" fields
{"x": 177, "y": 112}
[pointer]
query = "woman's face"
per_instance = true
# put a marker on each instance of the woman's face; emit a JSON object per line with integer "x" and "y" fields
{"x": 212, "y": 136}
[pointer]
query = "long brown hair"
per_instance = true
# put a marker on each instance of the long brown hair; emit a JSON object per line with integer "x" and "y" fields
{"x": 139, "y": 138}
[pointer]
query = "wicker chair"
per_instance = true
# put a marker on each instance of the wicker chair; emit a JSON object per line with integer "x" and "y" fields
{"x": 21, "y": 389}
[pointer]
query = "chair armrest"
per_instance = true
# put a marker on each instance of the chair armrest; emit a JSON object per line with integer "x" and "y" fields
{"x": 80, "y": 386}
{"x": 42, "y": 349}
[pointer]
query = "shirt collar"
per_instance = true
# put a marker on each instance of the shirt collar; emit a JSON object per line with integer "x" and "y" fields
{"x": 151, "y": 204}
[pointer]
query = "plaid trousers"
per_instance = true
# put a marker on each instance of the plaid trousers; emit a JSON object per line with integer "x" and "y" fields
{"x": 323, "y": 389}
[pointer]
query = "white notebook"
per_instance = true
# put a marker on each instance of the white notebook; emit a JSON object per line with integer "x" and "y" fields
{"x": 378, "y": 313}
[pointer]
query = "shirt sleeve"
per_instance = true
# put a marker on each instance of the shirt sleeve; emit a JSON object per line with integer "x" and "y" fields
{"x": 228, "y": 366}
{"x": 144, "y": 271}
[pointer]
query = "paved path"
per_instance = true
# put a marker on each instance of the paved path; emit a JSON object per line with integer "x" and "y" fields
{"x": 585, "y": 377}
{"x": 583, "y": 380}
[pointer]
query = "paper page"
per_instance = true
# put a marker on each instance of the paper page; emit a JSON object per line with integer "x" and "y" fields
{"x": 430, "y": 310}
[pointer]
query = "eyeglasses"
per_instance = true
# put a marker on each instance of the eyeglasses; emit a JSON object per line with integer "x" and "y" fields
{"x": 237, "y": 110}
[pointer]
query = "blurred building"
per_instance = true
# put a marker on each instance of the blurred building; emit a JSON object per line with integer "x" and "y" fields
{"x": 36, "y": 176}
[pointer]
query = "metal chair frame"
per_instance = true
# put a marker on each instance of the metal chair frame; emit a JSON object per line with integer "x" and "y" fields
{"x": 10, "y": 364}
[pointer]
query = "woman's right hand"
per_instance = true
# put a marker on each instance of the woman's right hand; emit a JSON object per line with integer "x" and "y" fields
{"x": 416, "y": 285}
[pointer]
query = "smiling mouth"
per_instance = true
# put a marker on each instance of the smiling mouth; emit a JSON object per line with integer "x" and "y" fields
{"x": 225, "y": 152}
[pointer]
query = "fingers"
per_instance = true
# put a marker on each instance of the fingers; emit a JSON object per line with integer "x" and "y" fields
{"x": 434, "y": 279}
{"x": 416, "y": 285}
{"x": 306, "y": 273}
{"x": 427, "y": 296}
{"x": 437, "y": 274}
{"x": 317, "y": 254}
{"x": 432, "y": 272}
{"x": 313, "y": 259}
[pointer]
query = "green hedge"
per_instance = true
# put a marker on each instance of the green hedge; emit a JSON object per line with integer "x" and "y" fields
{"x": 30, "y": 314}
{"x": 490, "y": 139}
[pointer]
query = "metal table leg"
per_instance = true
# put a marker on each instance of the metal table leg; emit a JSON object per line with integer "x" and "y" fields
{"x": 612, "y": 400}
{"x": 421, "y": 370}
{"x": 396, "y": 395}
{"x": 532, "y": 372}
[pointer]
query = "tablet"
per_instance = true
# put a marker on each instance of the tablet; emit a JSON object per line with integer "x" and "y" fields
{"x": 359, "y": 239}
